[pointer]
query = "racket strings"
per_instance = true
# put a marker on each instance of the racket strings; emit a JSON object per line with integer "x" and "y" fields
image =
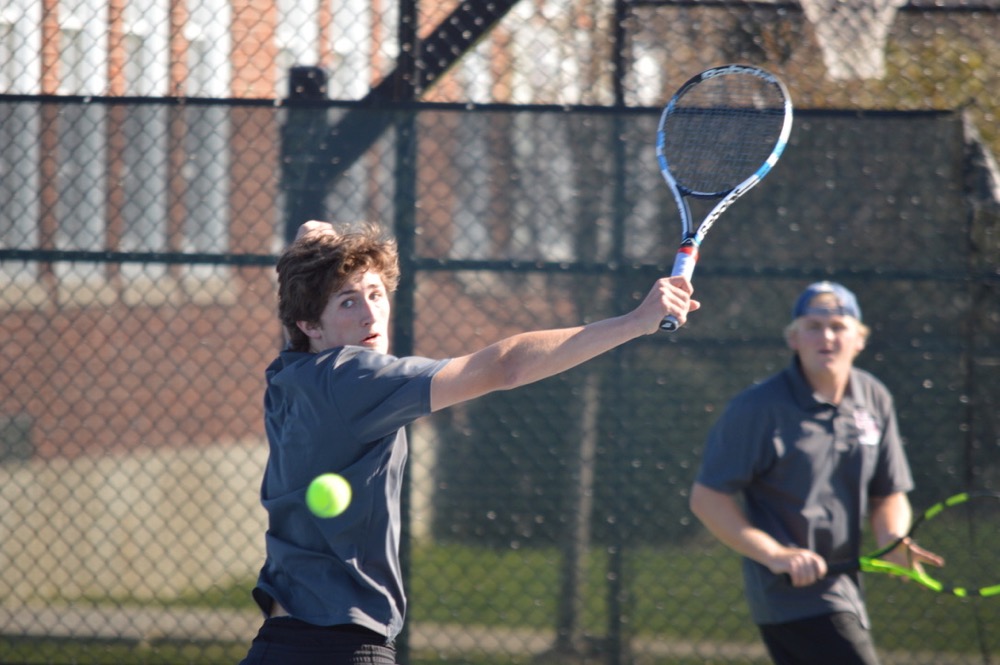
{"x": 721, "y": 131}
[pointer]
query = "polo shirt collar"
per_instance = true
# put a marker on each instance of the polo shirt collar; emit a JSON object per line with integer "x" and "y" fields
{"x": 806, "y": 396}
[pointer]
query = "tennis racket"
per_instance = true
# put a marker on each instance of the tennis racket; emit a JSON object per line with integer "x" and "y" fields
{"x": 719, "y": 136}
{"x": 964, "y": 529}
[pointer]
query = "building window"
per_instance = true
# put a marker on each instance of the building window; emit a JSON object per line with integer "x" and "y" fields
{"x": 205, "y": 172}
{"x": 297, "y": 38}
{"x": 19, "y": 193}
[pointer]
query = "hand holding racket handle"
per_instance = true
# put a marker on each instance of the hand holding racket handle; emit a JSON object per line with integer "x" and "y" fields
{"x": 845, "y": 567}
{"x": 960, "y": 539}
{"x": 684, "y": 262}
{"x": 854, "y": 565}
{"x": 834, "y": 569}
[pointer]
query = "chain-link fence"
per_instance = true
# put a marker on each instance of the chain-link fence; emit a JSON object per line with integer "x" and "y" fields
{"x": 149, "y": 177}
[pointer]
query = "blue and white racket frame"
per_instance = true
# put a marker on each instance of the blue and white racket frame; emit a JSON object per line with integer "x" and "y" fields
{"x": 691, "y": 238}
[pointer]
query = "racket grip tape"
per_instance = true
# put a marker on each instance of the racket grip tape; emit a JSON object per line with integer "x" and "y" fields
{"x": 684, "y": 262}
{"x": 841, "y": 567}
{"x": 838, "y": 568}
{"x": 669, "y": 323}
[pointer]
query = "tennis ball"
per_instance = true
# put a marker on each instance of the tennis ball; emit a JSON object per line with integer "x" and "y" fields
{"x": 328, "y": 495}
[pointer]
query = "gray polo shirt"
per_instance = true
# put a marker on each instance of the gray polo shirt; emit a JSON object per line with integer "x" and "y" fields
{"x": 805, "y": 469}
{"x": 342, "y": 411}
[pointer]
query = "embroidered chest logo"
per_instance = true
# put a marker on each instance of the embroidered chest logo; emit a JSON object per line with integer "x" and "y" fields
{"x": 869, "y": 433}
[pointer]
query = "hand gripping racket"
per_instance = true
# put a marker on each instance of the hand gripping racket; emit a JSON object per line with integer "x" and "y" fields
{"x": 963, "y": 529}
{"x": 719, "y": 136}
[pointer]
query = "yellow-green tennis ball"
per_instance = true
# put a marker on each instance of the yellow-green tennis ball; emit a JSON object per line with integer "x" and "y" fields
{"x": 328, "y": 495}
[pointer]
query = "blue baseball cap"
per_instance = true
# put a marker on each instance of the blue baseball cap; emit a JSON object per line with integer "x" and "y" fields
{"x": 847, "y": 303}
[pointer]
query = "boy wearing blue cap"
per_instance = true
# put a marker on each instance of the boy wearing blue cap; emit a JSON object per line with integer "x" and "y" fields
{"x": 811, "y": 451}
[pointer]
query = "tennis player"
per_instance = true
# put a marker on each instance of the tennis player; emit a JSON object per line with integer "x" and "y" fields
{"x": 810, "y": 451}
{"x": 331, "y": 590}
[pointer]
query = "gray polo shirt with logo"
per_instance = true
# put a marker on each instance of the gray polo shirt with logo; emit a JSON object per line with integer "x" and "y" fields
{"x": 342, "y": 411}
{"x": 805, "y": 469}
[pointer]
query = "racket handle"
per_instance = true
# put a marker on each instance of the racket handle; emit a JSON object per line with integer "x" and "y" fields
{"x": 841, "y": 567}
{"x": 684, "y": 262}
{"x": 669, "y": 323}
{"x": 838, "y": 568}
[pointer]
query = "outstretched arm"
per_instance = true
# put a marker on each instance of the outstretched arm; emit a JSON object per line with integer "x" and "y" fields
{"x": 529, "y": 357}
{"x": 724, "y": 518}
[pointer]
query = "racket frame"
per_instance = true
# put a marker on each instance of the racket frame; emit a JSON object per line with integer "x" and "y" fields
{"x": 873, "y": 563}
{"x": 691, "y": 238}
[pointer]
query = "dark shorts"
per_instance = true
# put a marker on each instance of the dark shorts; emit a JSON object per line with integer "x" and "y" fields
{"x": 287, "y": 641}
{"x": 832, "y": 639}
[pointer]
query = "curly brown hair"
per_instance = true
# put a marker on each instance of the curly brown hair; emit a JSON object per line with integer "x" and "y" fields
{"x": 318, "y": 264}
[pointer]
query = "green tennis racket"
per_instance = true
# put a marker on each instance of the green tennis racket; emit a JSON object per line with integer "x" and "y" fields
{"x": 964, "y": 529}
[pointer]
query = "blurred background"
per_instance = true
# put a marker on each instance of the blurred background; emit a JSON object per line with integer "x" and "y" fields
{"x": 156, "y": 155}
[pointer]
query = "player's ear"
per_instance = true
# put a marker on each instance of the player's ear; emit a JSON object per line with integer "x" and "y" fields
{"x": 862, "y": 337}
{"x": 310, "y": 328}
{"x": 792, "y": 336}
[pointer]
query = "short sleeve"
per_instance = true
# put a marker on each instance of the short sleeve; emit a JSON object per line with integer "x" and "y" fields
{"x": 736, "y": 449}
